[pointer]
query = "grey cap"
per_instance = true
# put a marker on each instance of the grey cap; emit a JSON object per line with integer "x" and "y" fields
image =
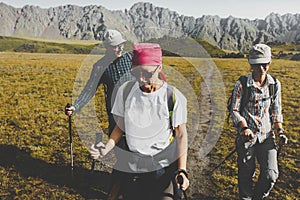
{"x": 259, "y": 54}
{"x": 113, "y": 37}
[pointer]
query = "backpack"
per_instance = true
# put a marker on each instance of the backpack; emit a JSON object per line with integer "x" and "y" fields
{"x": 245, "y": 96}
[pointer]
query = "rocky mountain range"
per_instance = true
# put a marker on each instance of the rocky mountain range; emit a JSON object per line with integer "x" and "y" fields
{"x": 144, "y": 21}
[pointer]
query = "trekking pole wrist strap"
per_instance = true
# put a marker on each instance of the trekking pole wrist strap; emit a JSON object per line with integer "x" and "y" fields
{"x": 182, "y": 171}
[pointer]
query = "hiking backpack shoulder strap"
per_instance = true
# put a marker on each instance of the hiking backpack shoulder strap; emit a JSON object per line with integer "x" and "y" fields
{"x": 272, "y": 88}
{"x": 245, "y": 96}
{"x": 171, "y": 98}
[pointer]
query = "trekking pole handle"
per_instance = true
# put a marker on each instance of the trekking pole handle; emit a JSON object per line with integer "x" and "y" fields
{"x": 98, "y": 139}
{"x": 68, "y": 105}
{"x": 283, "y": 139}
{"x": 69, "y": 109}
{"x": 251, "y": 136}
{"x": 180, "y": 181}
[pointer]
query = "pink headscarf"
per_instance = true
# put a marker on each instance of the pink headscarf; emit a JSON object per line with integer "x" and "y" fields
{"x": 146, "y": 54}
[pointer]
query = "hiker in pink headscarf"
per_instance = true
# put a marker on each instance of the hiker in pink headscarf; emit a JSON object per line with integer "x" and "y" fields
{"x": 152, "y": 116}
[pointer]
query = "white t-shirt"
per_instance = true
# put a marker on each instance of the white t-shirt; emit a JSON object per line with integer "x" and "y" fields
{"x": 146, "y": 118}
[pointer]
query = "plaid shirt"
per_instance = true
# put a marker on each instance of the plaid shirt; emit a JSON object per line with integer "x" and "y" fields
{"x": 112, "y": 74}
{"x": 258, "y": 113}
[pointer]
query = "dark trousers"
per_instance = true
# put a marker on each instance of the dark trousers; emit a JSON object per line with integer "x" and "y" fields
{"x": 157, "y": 185}
{"x": 266, "y": 155}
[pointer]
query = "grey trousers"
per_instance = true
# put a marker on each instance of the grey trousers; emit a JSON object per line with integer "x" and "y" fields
{"x": 266, "y": 155}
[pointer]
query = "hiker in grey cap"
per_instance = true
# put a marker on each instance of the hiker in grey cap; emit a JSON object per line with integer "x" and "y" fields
{"x": 256, "y": 112}
{"x": 112, "y": 70}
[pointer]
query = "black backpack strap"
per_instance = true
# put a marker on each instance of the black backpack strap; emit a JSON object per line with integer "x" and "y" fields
{"x": 171, "y": 97}
{"x": 171, "y": 102}
{"x": 272, "y": 88}
{"x": 246, "y": 95}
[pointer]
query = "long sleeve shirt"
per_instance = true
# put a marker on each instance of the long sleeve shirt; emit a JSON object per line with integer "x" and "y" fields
{"x": 259, "y": 114}
{"x": 112, "y": 74}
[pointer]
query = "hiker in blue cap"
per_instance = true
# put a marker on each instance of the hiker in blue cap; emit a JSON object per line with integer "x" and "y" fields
{"x": 256, "y": 112}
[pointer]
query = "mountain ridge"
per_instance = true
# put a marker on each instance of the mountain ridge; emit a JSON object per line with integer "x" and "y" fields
{"x": 144, "y": 21}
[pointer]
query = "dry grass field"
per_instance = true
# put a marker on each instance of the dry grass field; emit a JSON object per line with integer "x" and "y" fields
{"x": 34, "y": 139}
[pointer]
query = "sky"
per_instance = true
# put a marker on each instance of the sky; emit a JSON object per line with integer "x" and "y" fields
{"x": 250, "y": 9}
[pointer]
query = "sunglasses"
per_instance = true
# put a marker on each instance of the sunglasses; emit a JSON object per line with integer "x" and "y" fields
{"x": 264, "y": 65}
{"x": 139, "y": 72}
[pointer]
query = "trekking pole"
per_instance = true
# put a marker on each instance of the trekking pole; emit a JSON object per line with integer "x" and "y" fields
{"x": 180, "y": 181}
{"x": 71, "y": 147}
{"x": 98, "y": 139}
{"x": 230, "y": 154}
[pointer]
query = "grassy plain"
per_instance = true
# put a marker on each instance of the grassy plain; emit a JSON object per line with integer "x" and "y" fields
{"x": 34, "y": 140}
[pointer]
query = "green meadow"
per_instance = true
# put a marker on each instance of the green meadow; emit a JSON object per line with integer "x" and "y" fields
{"x": 34, "y": 138}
